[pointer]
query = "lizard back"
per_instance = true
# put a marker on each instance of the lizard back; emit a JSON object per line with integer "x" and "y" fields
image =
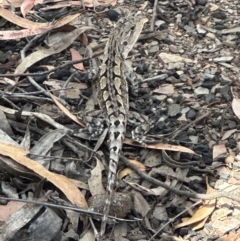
{"x": 112, "y": 95}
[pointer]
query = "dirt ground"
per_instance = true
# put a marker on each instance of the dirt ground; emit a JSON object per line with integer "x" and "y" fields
{"x": 181, "y": 182}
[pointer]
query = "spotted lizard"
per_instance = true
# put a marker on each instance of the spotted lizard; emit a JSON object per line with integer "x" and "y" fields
{"x": 112, "y": 94}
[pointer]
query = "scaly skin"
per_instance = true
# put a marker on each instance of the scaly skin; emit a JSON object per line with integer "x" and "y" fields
{"x": 112, "y": 95}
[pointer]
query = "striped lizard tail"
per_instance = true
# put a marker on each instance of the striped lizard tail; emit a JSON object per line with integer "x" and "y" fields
{"x": 117, "y": 128}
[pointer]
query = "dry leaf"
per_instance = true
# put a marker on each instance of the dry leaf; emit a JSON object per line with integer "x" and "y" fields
{"x": 32, "y": 28}
{"x": 49, "y": 67}
{"x": 232, "y": 237}
{"x": 95, "y": 181}
{"x": 127, "y": 170}
{"x": 230, "y": 158}
{"x": 66, "y": 111}
{"x": 161, "y": 146}
{"x": 228, "y": 133}
{"x": 87, "y": 3}
{"x": 54, "y": 49}
{"x": 139, "y": 165}
{"x": 18, "y": 220}
{"x": 26, "y": 6}
{"x": 123, "y": 173}
{"x": 219, "y": 151}
{"x": 189, "y": 82}
{"x": 144, "y": 5}
{"x": 15, "y": 3}
{"x": 92, "y": 3}
{"x": 167, "y": 89}
{"x": 63, "y": 183}
{"x": 199, "y": 224}
{"x": 76, "y": 56}
{"x": 84, "y": 39}
{"x": 7, "y": 210}
{"x": 198, "y": 220}
{"x": 25, "y": 23}
{"x": 236, "y": 107}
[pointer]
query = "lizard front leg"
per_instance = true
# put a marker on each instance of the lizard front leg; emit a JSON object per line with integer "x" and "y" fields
{"x": 141, "y": 123}
{"x": 134, "y": 79}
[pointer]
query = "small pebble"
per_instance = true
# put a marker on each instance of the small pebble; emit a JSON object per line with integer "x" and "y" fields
{"x": 112, "y": 15}
{"x": 219, "y": 14}
{"x": 201, "y": 2}
{"x": 158, "y": 23}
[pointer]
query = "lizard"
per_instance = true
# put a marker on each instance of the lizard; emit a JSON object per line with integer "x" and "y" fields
{"x": 112, "y": 95}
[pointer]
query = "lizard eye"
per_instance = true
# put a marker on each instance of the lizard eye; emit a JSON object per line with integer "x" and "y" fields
{"x": 133, "y": 27}
{"x": 124, "y": 42}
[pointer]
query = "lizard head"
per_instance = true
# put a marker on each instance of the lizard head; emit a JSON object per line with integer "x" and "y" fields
{"x": 129, "y": 30}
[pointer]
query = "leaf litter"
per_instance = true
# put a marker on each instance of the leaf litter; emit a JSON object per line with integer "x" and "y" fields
{"x": 190, "y": 66}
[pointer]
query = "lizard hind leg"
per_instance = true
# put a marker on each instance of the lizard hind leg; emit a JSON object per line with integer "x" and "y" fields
{"x": 94, "y": 122}
{"x": 141, "y": 126}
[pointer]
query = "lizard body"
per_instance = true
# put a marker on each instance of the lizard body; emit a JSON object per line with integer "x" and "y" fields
{"x": 112, "y": 95}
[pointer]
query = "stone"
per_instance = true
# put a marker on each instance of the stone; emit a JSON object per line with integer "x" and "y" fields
{"x": 219, "y": 14}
